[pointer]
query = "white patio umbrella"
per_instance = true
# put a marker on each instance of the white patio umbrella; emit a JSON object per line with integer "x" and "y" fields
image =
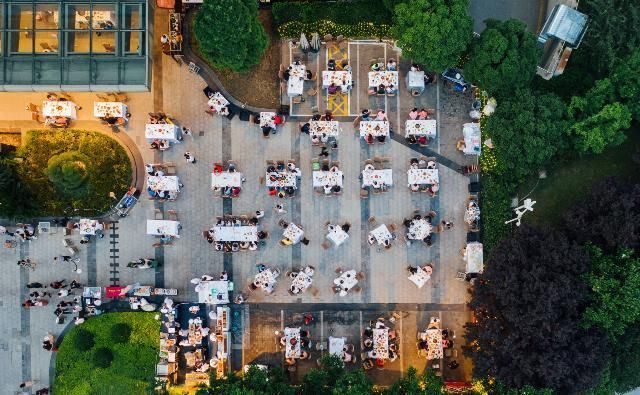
{"x": 304, "y": 43}
{"x": 315, "y": 43}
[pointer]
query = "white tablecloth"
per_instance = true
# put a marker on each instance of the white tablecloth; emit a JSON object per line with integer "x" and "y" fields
{"x": 162, "y": 131}
{"x": 473, "y": 257}
{"x": 419, "y": 230}
{"x": 386, "y": 78}
{"x": 302, "y": 281}
{"x": 159, "y": 227}
{"x": 218, "y": 102}
{"x": 337, "y": 235}
{"x": 295, "y": 85}
{"x": 87, "y": 226}
{"x": 471, "y": 133}
{"x": 267, "y": 119}
{"x": 285, "y": 179}
{"x": 331, "y": 178}
{"x": 226, "y": 179}
{"x": 472, "y": 213}
{"x": 59, "y": 109}
{"x": 339, "y": 78}
{"x": 434, "y": 342}
{"x": 420, "y": 278}
{"x": 265, "y": 278}
{"x": 346, "y": 281}
{"x": 292, "y": 351}
{"x": 336, "y": 345}
{"x": 381, "y": 343}
{"x": 235, "y": 233}
{"x": 377, "y": 177}
{"x": 109, "y": 109}
{"x": 422, "y": 176}
{"x": 381, "y": 233}
{"x": 425, "y": 127}
{"x": 375, "y": 128}
{"x": 164, "y": 183}
{"x": 415, "y": 79}
{"x": 293, "y": 233}
{"x": 330, "y": 128}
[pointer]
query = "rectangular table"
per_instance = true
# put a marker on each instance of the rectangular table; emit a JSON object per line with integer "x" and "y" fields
{"x": 162, "y": 131}
{"x": 285, "y": 179}
{"x": 386, "y": 78}
{"x": 336, "y": 345}
{"x": 375, "y": 178}
{"x": 434, "y": 343}
{"x": 381, "y": 343}
{"x": 268, "y": 119}
{"x": 59, "y": 109}
{"x": 330, "y": 178}
{"x": 420, "y": 127}
{"x": 415, "y": 80}
{"x": 265, "y": 278}
{"x": 471, "y": 133}
{"x": 293, "y": 233}
{"x": 339, "y": 77}
{"x": 420, "y": 278}
{"x": 329, "y": 128}
{"x": 422, "y": 176}
{"x": 374, "y": 128}
{"x": 87, "y": 226}
{"x": 164, "y": 183}
{"x": 159, "y": 227}
{"x": 235, "y": 233}
{"x": 226, "y": 179}
{"x": 473, "y": 257}
{"x": 292, "y": 350}
{"x": 337, "y": 235}
{"x": 217, "y": 102}
{"x": 381, "y": 233}
{"x": 302, "y": 281}
{"x": 346, "y": 281}
{"x": 109, "y": 110}
{"x": 295, "y": 85}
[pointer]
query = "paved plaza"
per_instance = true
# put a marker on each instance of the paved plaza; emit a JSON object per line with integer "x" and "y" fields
{"x": 385, "y": 287}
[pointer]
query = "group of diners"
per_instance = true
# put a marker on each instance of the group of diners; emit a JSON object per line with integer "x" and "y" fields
{"x": 235, "y": 233}
{"x": 162, "y": 183}
{"x": 373, "y": 128}
{"x": 297, "y": 344}
{"x": 25, "y": 232}
{"x": 337, "y": 78}
{"x": 419, "y": 128}
{"x": 376, "y": 176}
{"x": 269, "y": 122}
{"x": 420, "y": 227}
{"x": 422, "y": 175}
{"x": 217, "y": 103}
{"x": 433, "y": 340}
{"x": 292, "y": 234}
{"x": 282, "y": 178}
{"x": 381, "y": 234}
{"x": 327, "y": 177}
{"x": 338, "y": 234}
{"x": 266, "y": 278}
{"x": 383, "y": 80}
{"x": 226, "y": 183}
{"x": 59, "y": 111}
{"x": 111, "y": 113}
{"x": 346, "y": 352}
{"x": 322, "y": 129}
{"x": 472, "y": 214}
{"x": 346, "y": 281}
{"x": 380, "y": 344}
{"x": 161, "y": 130}
{"x": 294, "y": 77}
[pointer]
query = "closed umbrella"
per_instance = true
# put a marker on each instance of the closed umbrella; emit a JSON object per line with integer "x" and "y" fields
{"x": 315, "y": 43}
{"x": 304, "y": 43}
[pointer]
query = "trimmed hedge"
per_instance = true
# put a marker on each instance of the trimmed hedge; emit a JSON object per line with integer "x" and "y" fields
{"x": 359, "y": 19}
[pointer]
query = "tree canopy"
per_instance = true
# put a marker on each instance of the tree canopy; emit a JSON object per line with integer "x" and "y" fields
{"x": 69, "y": 172}
{"x": 418, "y": 384}
{"x": 254, "y": 382}
{"x": 433, "y": 33}
{"x": 528, "y": 307}
{"x": 229, "y": 34}
{"x": 504, "y": 58}
{"x": 608, "y": 217}
{"x": 527, "y": 130}
{"x": 615, "y": 286}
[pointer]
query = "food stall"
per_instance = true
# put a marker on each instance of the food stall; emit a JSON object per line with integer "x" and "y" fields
{"x": 221, "y": 343}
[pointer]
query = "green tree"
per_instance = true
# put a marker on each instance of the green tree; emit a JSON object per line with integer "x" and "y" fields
{"x": 69, "y": 172}
{"x": 121, "y": 332}
{"x": 103, "y": 357}
{"x": 625, "y": 361}
{"x": 615, "y": 290}
{"x": 254, "y": 382}
{"x": 83, "y": 340}
{"x": 433, "y": 33}
{"x": 626, "y": 79}
{"x": 353, "y": 383}
{"x": 602, "y": 129}
{"x": 504, "y": 58}
{"x": 229, "y": 34}
{"x": 414, "y": 384}
{"x": 527, "y": 130}
{"x": 323, "y": 380}
{"x": 8, "y": 175}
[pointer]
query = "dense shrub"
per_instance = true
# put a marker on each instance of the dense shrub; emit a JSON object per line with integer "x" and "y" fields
{"x": 103, "y": 357}
{"x": 69, "y": 173}
{"x": 83, "y": 340}
{"x": 120, "y": 333}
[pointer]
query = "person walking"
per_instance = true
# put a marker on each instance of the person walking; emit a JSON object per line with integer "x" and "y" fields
{"x": 62, "y": 258}
{"x": 189, "y": 158}
{"x": 36, "y": 285}
{"x": 27, "y": 384}
{"x": 57, "y": 284}
{"x": 187, "y": 132}
{"x": 279, "y": 208}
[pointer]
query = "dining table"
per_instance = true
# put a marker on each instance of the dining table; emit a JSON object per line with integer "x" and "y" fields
{"x": 473, "y": 257}
{"x": 110, "y": 110}
{"x": 327, "y": 178}
{"x": 381, "y": 234}
{"x": 293, "y": 233}
{"x": 381, "y": 343}
{"x": 328, "y": 128}
{"x": 161, "y": 131}
{"x": 376, "y": 177}
{"x": 346, "y": 281}
{"x": 160, "y": 227}
{"x": 302, "y": 281}
{"x": 217, "y": 101}
{"x": 471, "y": 134}
{"x": 374, "y": 128}
{"x": 433, "y": 337}
{"x": 226, "y": 179}
{"x": 472, "y": 213}
{"x": 59, "y": 109}
{"x": 281, "y": 179}
{"x": 87, "y": 226}
{"x": 422, "y": 176}
{"x": 268, "y": 119}
{"x": 386, "y": 78}
{"x": 421, "y": 276}
{"x": 235, "y": 233}
{"x": 164, "y": 183}
{"x": 420, "y": 127}
{"x": 337, "y": 235}
{"x": 295, "y": 85}
{"x": 337, "y": 345}
{"x": 338, "y": 77}
{"x": 292, "y": 341}
{"x": 419, "y": 229}
{"x": 265, "y": 279}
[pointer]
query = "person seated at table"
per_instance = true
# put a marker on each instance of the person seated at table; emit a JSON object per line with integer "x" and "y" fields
{"x": 218, "y": 246}
{"x": 278, "y": 120}
{"x": 164, "y": 145}
{"x": 155, "y": 144}
{"x": 346, "y": 357}
{"x": 423, "y": 140}
{"x": 305, "y": 342}
{"x": 423, "y": 345}
{"x": 111, "y": 121}
{"x": 162, "y": 194}
{"x": 390, "y": 89}
{"x": 164, "y": 238}
{"x": 52, "y": 97}
{"x": 305, "y": 128}
{"x": 324, "y": 138}
{"x": 336, "y": 189}
{"x": 266, "y": 130}
{"x": 428, "y": 241}
{"x": 413, "y": 114}
{"x": 364, "y": 114}
{"x": 158, "y": 173}
{"x": 376, "y": 67}
{"x": 327, "y": 189}
{"x": 61, "y": 121}
{"x": 371, "y": 239}
{"x": 431, "y": 164}
{"x": 391, "y": 65}
{"x": 235, "y": 191}
{"x": 224, "y": 276}
{"x": 433, "y": 189}
{"x": 315, "y": 139}
{"x": 414, "y": 187}
{"x": 445, "y": 333}
{"x": 331, "y": 65}
{"x": 226, "y": 191}
{"x": 316, "y": 117}
{"x": 325, "y": 167}
{"x": 369, "y": 138}
{"x": 387, "y": 243}
{"x": 252, "y": 246}
{"x": 392, "y": 355}
{"x": 344, "y": 87}
{"x": 381, "y": 139}
{"x": 308, "y": 75}
{"x": 429, "y": 78}
{"x": 381, "y": 89}
{"x": 151, "y": 192}
{"x": 415, "y": 67}
{"x": 423, "y": 114}
{"x": 381, "y": 115}
{"x": 411, "y": 139}
{"x": 290, "y": 361}
{"x": 287, "y": 74}
{"x": 332, "y": 89}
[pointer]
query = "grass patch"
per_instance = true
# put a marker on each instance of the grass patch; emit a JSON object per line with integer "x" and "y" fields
{"x": 570, "y": 182}
{"x": 130, "y": 372}
{"x": 110, "y": 170}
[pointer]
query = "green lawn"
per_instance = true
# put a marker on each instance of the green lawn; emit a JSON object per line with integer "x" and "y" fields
{"x": 110, "y": 170}
{"x": 133, "y": 367}
{"x": 571, "y": 181}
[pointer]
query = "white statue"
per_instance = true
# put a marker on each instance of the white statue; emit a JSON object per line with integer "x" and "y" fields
{"x": 527, "y": 206}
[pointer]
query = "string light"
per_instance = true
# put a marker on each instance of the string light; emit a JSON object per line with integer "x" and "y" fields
{"x": 293, "y": 29}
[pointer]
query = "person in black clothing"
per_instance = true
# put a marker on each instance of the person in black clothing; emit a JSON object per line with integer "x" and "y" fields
{"x": 324, "y": 152}
{"x": 266, "y": 130}
{"x": 286, "y": 74}
{"x": 305, "y": 128}
{"x": 346, "y": 227}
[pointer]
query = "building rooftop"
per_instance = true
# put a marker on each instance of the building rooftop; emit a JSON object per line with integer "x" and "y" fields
{"x": 565, "y": 24}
